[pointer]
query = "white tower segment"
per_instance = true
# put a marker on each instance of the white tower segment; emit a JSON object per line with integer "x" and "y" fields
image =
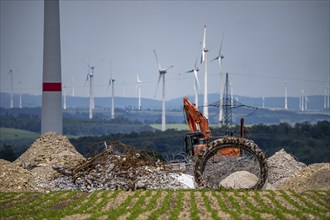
{"x": 51, "y": 115}
{"x": 204, "y": 59}
{"x": 162, "y": 73}
{"x": 286, "y": 95}
{"x": 138, "y": 86}
{"x": 11, "y": 74}
{"x": 219, "y": 58}
{"x": 112, "y": 83}
{"x": 20, "y": 94}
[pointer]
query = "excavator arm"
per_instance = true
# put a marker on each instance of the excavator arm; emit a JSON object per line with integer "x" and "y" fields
{"x": 195, "y": 119}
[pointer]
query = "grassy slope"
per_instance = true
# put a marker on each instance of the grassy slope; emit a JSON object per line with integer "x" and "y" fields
{"x": 11, "y": 133}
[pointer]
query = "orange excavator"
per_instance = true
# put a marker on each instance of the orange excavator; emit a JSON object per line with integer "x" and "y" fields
{"x": 212, "y": 154}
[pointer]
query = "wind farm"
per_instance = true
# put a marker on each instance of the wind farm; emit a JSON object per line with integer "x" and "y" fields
{"x": 133, "y": 52}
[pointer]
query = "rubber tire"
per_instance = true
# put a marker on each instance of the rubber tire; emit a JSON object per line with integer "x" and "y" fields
{"x": 230, "y": 142}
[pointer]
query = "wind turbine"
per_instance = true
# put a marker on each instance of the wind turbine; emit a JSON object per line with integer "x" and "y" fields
{"x": 138, "y": 86}
{"x": 90, "y": 76}
{"x": 302, "y": 101}
{"x": 112, "y": 83}
{"x": 196, "y": 84}
{"x": 219, "y": 58}
{"x": 64, "y": 97}
{"x": 286, "y": 95}
{"x": 306, "y": 102}
{"x": 162, "y": 73}
{"x": 20, "y": 94}
{"x": 72, "y": 82}
{"x": 204, "y": 59}
{"x": 11, "y": 74}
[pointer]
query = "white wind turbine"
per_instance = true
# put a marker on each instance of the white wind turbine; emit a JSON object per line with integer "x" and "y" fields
{"x": 64, "y": 97}
{"x": 302, "y": 101}
{"x": 90, "y": 77}
{"x": 20, "y": 94}
{"x": 72, "y": 82}
{"x": 286, "y": 95}
{"x": 138, "y": 86}
{"x": 219, "y": 58}
{"x": 204, "y": 59}
{"x": 306, "y": 103}
{"x": 196, "y": 84}
{"x": 112, "y": 83}
{"x": 11, "y": 74}
{"x": 162, "y": 73}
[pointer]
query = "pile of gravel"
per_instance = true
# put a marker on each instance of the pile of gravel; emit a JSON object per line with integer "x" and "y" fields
{"x": 314, "y": 177}
{"x": 282, "y": 166}
{"x": 49, "y": 150}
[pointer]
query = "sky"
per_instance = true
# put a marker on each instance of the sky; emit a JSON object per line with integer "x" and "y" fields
{"x": 265, "y": 43}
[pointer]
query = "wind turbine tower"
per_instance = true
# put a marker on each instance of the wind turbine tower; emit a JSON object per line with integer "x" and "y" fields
{"x": 302, "y": 101}
{"x": 162, "y": 73}
{"x": 72, "y": 82}
{"x": 138, "y": 86}
{"x": 204, "y": 60}
{"x": 20, "y": 94}
{"x": 51, "y": 114}
{"x": 90, "y": 77}
{"x": 112, "y": 83}
{"x": 64, "y": 97}
{"x": 306, "y": 103}
{"x": 10, "y": 73}
{"x": 219, "y": 58}
{"x": 286, "y": 95}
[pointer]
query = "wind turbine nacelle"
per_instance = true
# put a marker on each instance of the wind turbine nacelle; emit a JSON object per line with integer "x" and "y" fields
{"x": 205, "y": 50}
{"x": 162, "y": 71}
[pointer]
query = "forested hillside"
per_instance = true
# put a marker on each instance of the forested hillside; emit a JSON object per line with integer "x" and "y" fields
{"x": 310, "y": 143}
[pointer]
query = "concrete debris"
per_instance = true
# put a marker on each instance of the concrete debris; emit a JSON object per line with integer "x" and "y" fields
{"x": 239, "y": 180}
{"x": 52, "y": 163}
{"x": 282, "y": 166}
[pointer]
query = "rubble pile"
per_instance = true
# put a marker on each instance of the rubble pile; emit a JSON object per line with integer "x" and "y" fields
{"x": 52, "y": 163}
{"x": 282, "y": 166}
{"x": 314, "y": 177}
{"x": 108, "y": 171}
{"x": 51, "y": 149}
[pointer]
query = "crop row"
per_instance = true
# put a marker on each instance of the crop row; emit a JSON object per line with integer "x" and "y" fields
{"x": 166, "y": 204}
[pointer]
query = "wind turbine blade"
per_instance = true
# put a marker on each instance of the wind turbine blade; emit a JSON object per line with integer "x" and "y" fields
{"x": 160, "y": 75}
{"x": 190, "y": 71}
{"x": 204, "y": 37}
{"x": 215, "y": 59}
{"x": 223, "y": 35}
{"x": 168, "y": 68}
{"x": 159, "y": 67}
{"x": 85, "y": 63}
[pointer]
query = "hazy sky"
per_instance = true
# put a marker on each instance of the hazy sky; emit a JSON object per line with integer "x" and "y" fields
{"x": 265, "y": 43}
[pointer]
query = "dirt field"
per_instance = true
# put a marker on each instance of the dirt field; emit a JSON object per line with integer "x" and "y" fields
{"x": 166, "y": 204}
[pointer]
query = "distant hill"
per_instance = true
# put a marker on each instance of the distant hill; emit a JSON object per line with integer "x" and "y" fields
{"x": 315, "y": 103}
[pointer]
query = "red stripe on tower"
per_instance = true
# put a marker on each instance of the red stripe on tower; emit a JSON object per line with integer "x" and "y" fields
{"x": 52, "y": 87}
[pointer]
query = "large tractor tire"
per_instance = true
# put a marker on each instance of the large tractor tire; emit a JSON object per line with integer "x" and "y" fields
{"x": 213, "y": 166}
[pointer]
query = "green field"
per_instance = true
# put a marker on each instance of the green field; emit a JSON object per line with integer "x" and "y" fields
{"x": 166, "y": 204}
{"x": 178, "y": 127}
{"x": 11, "y": 133}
